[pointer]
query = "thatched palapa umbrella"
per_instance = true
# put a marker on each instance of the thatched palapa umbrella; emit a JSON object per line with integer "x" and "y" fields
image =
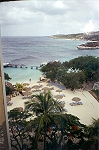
{"x": 26, "y": 84}
{"x": 49, "y": 84}
{"x": 26, "y": 93}
{"x": 20, "y": 109}
{"x": 39, "y": 82}
{"x": 45, "y": 88}
{"x": 58, "y": 96}
{"x": 8, "y": 98}
{"x": 36, "y": 87}
{"x": 34, "y": 99}
{"x": 76, "y": 99}
{"x": 9, "y": 85}
{"x": 27, "y": 89}
{"x": 59, "y": 90}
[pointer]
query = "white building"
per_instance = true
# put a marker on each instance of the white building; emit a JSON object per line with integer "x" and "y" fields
{"x": 96, "y": 86}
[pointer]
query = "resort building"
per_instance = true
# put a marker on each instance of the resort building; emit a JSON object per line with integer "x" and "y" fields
{"x": 96, "y": 86}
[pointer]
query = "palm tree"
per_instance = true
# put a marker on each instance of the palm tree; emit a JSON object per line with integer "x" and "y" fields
{"x": 19, "y": 87}
{"x": 45, "y": 108}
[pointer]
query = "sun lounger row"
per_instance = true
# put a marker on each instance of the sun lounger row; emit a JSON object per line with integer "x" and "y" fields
{"x": 78, "y": 103}
{"x": 58, "y": 85}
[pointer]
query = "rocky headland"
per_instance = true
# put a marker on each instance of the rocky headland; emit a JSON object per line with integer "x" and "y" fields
{"x": 89, "y": 45}
{"x": 93, "y": 37}
{"x": 90, "y": 36}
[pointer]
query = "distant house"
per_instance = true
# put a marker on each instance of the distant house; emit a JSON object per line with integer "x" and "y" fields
{"x": 96, "y": 86}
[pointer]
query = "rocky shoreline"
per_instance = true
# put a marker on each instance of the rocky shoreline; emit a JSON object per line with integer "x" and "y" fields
{"x": 89, "y": 46}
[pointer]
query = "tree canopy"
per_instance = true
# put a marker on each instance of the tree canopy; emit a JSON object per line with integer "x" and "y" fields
{"x": 57, "y": 130}
{"x": 46, "y": 108}
{"x": 19, "y": 87}
{"x": 6, "y": 76}
{"x": 89, "y": 64}
{"x": 73, "y": 73}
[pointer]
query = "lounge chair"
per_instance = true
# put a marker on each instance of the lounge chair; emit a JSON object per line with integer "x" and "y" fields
{"x": 79, "y": 103}
{"x": 72, "y": 103}
{"x": 9, "y": 103}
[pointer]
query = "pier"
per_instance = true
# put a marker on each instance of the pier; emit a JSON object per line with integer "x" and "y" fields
{"x": 6, "y": 65}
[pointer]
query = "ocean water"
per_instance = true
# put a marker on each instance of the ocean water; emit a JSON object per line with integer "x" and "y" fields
{"x": 32, "y": 51}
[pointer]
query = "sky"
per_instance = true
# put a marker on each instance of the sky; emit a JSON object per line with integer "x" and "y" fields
{"x": 48, "y": 17}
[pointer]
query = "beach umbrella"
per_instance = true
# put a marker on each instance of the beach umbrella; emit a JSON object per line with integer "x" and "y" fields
{"x": 16, "y": 92}
{"x": 36, "y": 87}
{"x": 34, "y": 99}
{"x": 8, "y": 98}
{"x": 39, "y": 81}
{"x": 26, "y": 84}
{"x": 45, "y": 88}
{"x": 58, "y": 96}
{"x": 9, "y": 84}
{"x": 27, "y": 89}
{"x": 49, "y": 84}
{"x": 76, "y": 99}
{"x": 26, "y": 93}
{"x": 20, "y": 109}
{"x": 62, "y": 103}
{"x": 59, "y": 90}
{"x": 48, "y": 80}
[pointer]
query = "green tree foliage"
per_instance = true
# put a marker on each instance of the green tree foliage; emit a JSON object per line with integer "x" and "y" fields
{"x": 50, "y": 70}
{"x": 87, "y": 63}
{"x": 67, "y": 128}
{"x": 73, "y": 73}
{"x": 6, "y": 76}
{"x": 19, "y": 87}
{"x": 9, "y": 90}
{"x": 58, "y": 130}
{"x": 74, "y": 80}
{"x": 61, "y": 72}
{"x": 45, "y": 108}
{"x": 20, "y": 138}
{"x": 92, "y": 136}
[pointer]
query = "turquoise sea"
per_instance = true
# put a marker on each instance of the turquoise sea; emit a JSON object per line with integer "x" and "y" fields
{"x": 32, "y": 51}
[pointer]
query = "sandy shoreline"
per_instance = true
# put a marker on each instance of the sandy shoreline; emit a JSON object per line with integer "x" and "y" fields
{"x": 85, "y": 112}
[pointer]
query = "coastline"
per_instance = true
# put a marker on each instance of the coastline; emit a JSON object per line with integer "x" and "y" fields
{"x": 92, "y": 45}
{"x": 85, "y": 112}
{"x": 87, "y": 48}
{"x": 21, "y": 75}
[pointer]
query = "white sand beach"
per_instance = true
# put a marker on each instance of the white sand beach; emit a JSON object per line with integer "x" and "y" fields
{"x": 85, "y": 112}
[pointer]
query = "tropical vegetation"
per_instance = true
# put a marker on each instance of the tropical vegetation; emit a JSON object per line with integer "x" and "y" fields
{"x": 73, "y": 73}
{"x": 44, "y": 125}
{"x": 19, "y": 134}
{"x": 19, "y": 87}
{"x": 9, "y": 89}
{"x": 7, "y": 77}
{"x": 46, "y": 108}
